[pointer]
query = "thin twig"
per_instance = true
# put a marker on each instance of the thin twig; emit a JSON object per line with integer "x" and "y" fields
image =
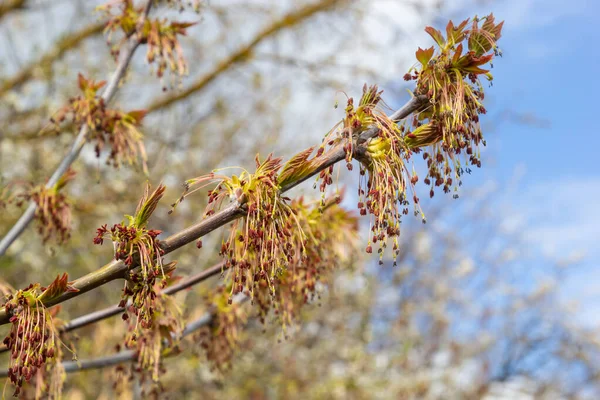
{"x": 239, "y": 56}
{"x": 11, "y": 5}
{"x": 108, "y": 312}
{"x": 80, "y": 140}
{"x": 130, "y": 355}
{"x": 116, "y": 269}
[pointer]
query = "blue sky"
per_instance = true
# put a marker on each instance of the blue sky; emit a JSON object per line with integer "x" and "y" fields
{"x": 544, "y": 137}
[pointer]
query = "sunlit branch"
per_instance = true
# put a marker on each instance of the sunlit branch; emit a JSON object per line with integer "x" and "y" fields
{"x": 116, "y": 269}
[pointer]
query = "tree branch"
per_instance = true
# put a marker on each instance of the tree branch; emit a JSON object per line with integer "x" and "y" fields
{"x": 239, "y": 56}
{"x": 80, "y": 140}
{"x": 130, "y": 355}
{"x": 116, "y": 269}
{"x": 108, "y": 312}
{"x": 9, "y": 6}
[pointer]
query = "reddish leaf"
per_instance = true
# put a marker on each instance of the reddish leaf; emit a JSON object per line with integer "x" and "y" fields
{"x": 470, "y": 63}
{"x": 180, "y": 27}
{"x": 497, "y": 31}
{"x": 138, "y": 115}
{"x": 98, "y": 85}
{"x": 457, "y": 53}
{"x": 476, "y": 70}
{"x": 436, "y": 35}
{"x": 456, "y": 34}
{"x": 295, "y": 167}
{"x": 83, "y": 83}
{"x": 59, "y": 286}
{"x": 492, "y": 28}
{"x": 462, "y": 25}
{"x": 424, "y": 55}
{"x": 478, "y": 43}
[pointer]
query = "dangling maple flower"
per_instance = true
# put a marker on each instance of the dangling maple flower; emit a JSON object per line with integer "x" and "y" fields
{"x": 158, "y": 338}
{"x": 332, "y": 234}
{"x": 125, "y": 139}
{"x": 449, "y": 126}
{"x": 261, "y": 244}
{"x": 221, "y": 338}
{"x": 346, "y": 132}
{"x": 384, "y": 184}
{"x": 85, "y": 108}
{"x": 134, "y": 241}
{"x": 33, "y": 341}
{"x": 53, "y": 212}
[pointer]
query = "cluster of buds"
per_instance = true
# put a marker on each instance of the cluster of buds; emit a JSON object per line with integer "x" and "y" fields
{"x": 220, "y": 339}
{"x": 116, "y": 128}
{"x": 261, "y": 244}
{"x": 160, "y": 36}
{"x": 139, "y": 247}
{"x": 53, "y": 212}
{"x": 33, "y": 341}
{"x": 450, "y": 79}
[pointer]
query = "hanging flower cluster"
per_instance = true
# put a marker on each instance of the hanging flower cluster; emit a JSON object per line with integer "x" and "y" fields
{"x": 157, "y": 340}
{"x": 261, "y": 244}
{"x": 221, "y": 338}
{"x": 450, "y": 79}
{"x": 160, "y": 36}
{"x": 33, "y": 342}
{"x": 118, "y": 129}
{"x": 134, "y": 242}
{"x": 53, "y": 212}
{"x": 330, "y": 231}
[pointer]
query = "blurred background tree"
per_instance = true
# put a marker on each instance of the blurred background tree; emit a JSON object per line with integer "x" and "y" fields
{"x": 457, "y": 318}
